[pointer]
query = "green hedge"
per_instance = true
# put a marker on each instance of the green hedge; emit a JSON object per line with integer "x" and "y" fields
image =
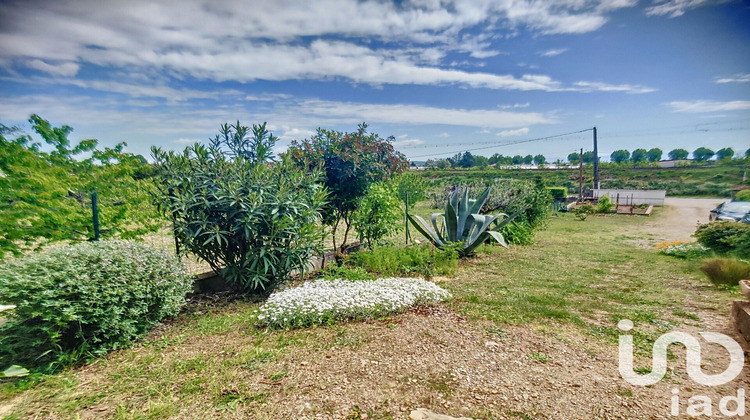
{"x": 725, "y": 237}
{"x": 558, "y": 192}
{"x": 80, "y": 301}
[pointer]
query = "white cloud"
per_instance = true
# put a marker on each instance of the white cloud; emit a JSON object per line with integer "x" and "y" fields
{"x": 352, "y": 113}
{"x": 62, "y": 69}
{"x": 701, "y": 106}
{"x": 297, "y": 39}
{"x": 513, "y": 133}
{"x": 675, "y": 8}
{"x": 514, "y": 106}
{"x": 737, "y": 78}
{"x": 553, "y": 52}
{"x": 444, "y": 135}
{"x": 185, "y": 141}
{"x": 605, "y": 87}
{"x": 408, "y": 143}
{"x": 296, "y": 134}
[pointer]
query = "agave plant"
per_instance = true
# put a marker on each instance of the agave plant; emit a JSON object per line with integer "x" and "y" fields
{"x": 462, "y": 224}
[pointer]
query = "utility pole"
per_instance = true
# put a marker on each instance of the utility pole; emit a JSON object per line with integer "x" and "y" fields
{"x": 596, "y": 163}
{"x": 580, "y": 176}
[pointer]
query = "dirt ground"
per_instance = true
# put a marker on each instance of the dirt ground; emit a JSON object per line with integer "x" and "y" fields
{"x": 679, "y": 218}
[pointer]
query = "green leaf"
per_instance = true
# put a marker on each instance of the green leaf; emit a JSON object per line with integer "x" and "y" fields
{"x": 15, "y": 371}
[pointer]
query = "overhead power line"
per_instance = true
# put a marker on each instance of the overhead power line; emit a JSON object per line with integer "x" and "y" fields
{"x": 495, "y": 145}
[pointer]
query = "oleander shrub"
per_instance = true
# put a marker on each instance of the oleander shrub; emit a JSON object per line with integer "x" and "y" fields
{"x": 414, "y": 260}
{"x": 80, "y": 301}
{"x": 254, "y": 221}
{"x": 725, "y": 237}
{"x": 726, "y": 271}
{"x": 328, "y": 301}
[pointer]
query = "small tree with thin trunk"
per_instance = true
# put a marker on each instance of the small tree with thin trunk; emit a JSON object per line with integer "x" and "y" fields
{"x": 350, "y": 163}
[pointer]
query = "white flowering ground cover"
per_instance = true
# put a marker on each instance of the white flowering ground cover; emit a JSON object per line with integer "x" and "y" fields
{"x": 686, "y": 250}
{"x": 325, "y": 301}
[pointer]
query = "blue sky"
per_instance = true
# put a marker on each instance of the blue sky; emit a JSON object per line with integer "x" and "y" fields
{"x": 441, "y": 76}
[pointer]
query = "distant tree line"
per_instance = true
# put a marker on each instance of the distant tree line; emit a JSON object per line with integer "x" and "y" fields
{"x": 469, "y": 160}
{"x": 700, "y": 154}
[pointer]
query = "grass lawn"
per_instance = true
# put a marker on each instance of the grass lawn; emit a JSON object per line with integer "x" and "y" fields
{"x": 530, "y": 331}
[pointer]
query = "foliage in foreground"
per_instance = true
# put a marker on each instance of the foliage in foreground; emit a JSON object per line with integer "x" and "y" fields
{"x": 725, "y": 237}
{"x": 350, "y": 163}
{"x": 327, "y": 301}
{"x": 83, "y": 300}
{"x": 462, "y": 224}
{"x": 726, "y": 271}
{"x": 252, "y": 221}
{"x": 45, "y": 196}
{"x": 422, "y": 260}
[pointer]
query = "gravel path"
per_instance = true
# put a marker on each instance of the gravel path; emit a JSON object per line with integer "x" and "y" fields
{"x": 677, "y": 220}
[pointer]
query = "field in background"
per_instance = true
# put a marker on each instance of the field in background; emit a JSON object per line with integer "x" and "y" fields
{"x": 686, "y": 182}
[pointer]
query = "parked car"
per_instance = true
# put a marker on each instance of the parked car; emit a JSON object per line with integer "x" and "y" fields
{"x": 746, "y": 219}
{"x": 731, "y": 210}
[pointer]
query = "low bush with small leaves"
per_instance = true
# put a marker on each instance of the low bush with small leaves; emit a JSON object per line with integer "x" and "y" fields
{"x": 725, "y": 237}
{"x": 328, "y": 301}
{"x": 420, "y": 259}
{"x": 80, "y": 301}
{"x": 726, "y": 271}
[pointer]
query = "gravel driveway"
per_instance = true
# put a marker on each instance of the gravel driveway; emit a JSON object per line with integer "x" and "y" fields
{"x": 679, "y": 217}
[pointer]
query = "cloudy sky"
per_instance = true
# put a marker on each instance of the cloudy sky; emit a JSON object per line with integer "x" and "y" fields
{"x": 441, "y": 76}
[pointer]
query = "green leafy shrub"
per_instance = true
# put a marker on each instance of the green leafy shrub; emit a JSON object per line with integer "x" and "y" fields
{"x": 726, "y": 271}
{"x": 83, "y": 300}
{"x": 725, "y": 237}
{"x": 518, "y": 233}
{"x": 605, "y": 204}
{"x": 327, "y": 301}
{"x": 743, "y": 195}
{"x": 342, "y": 271}
{"x": 421, "y": 259}
{"x": 254, "y": 222}
{"x": 378, "y": 214}
{"x": 558, "y": 193}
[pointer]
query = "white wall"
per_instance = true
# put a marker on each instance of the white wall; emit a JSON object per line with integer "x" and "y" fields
{"x": 651, "y": 197}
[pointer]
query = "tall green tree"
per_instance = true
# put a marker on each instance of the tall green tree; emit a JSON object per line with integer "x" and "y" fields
{"x": 654, "y": 155}
{"x": 725, "y": 153}
{"x": 703, "y": 154}
{"x": 574, "y": 158}
{"x": 619, "y": 156}
{"x": 349, "y": 163}
{"x": 588, "y": 157}
{"x": 45, "y": 196}
{"x": 540, "y": 159}
{"x": 678, "y": 154}
{"x": 638, "y": 155}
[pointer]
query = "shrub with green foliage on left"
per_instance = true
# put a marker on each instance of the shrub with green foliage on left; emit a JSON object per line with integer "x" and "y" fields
{"x": 80, "y": 301}
{"x": 252, "y": 220}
